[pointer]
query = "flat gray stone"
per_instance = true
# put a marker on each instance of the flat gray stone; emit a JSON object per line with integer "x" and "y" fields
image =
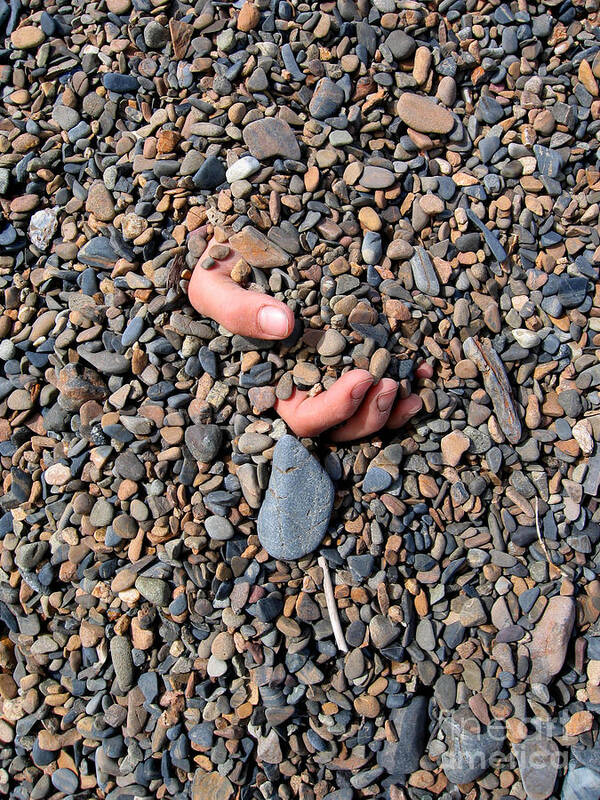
{"x": 327, "y": 99}
{"x": 402, "y": 757}
{"x": 401, "y": 44}
{"x": 538, "y": 758}
{"x": 219, "y": 528}
{"x": 423, "y": 272}
{"x": 295, "y": 513}
{"x": 581, "y": 783}
{"x": 105, "y": 362}
{"x": 471, "y": 745}
{"x": 98, "y": 252}
{"x": 203, "y": 441}
{"x": 120, "y": 653}
{"x": 154, "y": 590}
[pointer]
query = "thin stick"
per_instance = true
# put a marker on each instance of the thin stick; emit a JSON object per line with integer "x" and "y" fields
{"x": 331, "y": 606}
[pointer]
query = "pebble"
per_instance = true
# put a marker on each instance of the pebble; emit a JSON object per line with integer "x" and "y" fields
{"x": 27, "y": 37}
{"x": 423, "y": 115}
{"x": 100, "y": 202}
{"x": 331, "y": 344}
{"x": 423, "y": 272}
{"x": 415, "y": 184}
{"x": 580, "y": 783}
{"x": 243, "y": 168}
{"x": 203, "y": 441}
{"x": 65, "y": 780}
{"x": 271, "y": 137}
{"x": 550, "y": 639}
{"x": 402, "y": 756}
{"x": 454, "y": 445}
{"x": 257, "y": 250}
{"x": 219, "y": 528}
{"x": 327, "y": 99}
{"x": 154, "y": 590}
{"x": 211, "y": 786}
{"x": 211, "y": 174}
{"x": 496, "y": 384}
{"x": 120, "y": 84}
{"x": 466, "y": 736}
{"x": 538, "y": 758}
{"x": 401, "y": 45}
{"x": 295, "y": 513}
{"x": 120, "y": 652}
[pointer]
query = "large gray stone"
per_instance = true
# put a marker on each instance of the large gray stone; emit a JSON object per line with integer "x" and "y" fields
{"x": 295, "y": 513}
{"x": 538, "y": 758}
{"x": 203, "y": 441}
{"x": 581, "y": 783}
{"x": 120, "y": 652}
{"x": 423, "y": 272}
{"x": 402, "y": 757}
{"x": 471, "y": 745}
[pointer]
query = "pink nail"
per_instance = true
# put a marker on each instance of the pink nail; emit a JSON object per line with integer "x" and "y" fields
{"x": 273, "y": 321}
{"x": 384, "y": 401}
{"x": 360, "y": 389}
{"x": 414, "y": 404}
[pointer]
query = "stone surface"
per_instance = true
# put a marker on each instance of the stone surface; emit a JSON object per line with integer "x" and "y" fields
{"x": 550, "y": 639}
{"x": 453, "y": 446}
{"x": 295, "y": 512}
{"x": 148, "y": 637}
{"x": 326, "y": 100}
{"x": 424, "y": 115}
{"x": 580, "y": 783}
{"x": 203, "y": 441}
{"x": 257, "y": 250}
{"x": 410, "y": 722}
{"x": 271, "y": 137}
{"x": 27, "y": 37}
{"x": 538, "y": 758}
{"x": 423, "y": 272}
{"x": 471, "y": 746}
{"x": 211, "y": 786}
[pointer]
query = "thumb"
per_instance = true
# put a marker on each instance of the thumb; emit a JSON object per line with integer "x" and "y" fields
{"x": 254, "y": 314}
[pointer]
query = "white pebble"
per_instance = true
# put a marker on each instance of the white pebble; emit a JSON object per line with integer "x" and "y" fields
{"x": 526, "y": 338}
{"x": 242, "y": 168}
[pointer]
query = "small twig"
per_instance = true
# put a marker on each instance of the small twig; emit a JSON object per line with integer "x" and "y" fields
{"x": 331, "y": 606}
{"x": 541, "y": 540}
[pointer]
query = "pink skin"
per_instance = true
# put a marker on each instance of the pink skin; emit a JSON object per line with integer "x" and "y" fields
{"x": 354, "y": 405}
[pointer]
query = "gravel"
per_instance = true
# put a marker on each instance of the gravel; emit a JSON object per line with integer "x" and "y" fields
{"x": 416, "y": 183}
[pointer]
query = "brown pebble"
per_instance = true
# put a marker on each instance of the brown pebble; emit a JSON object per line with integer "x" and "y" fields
{"x": 248, "y": 18}
{"x": 466, "y": 369}
{"x": 367, "y": 706}
{"x": 306, "y": 374}
{"x": 580, "y": 722}
{"x": 379, "y": 363}
{"x": 219, "y": 251}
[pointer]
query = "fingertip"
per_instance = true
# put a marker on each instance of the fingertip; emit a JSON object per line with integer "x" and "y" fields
{"x": 405, "y": 409}
{"x": 413, "y": 404}
{"x": 275, "y": 321}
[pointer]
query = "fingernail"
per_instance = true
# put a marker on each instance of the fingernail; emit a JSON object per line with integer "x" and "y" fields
{"x": 414, "y": 404}
{"x": 384, "y": 401}
{"x": 360, "y": 389}
{"x": 273, "y": 321}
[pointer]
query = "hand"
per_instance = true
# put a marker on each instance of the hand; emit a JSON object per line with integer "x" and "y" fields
{"x": 354, "y": 403}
